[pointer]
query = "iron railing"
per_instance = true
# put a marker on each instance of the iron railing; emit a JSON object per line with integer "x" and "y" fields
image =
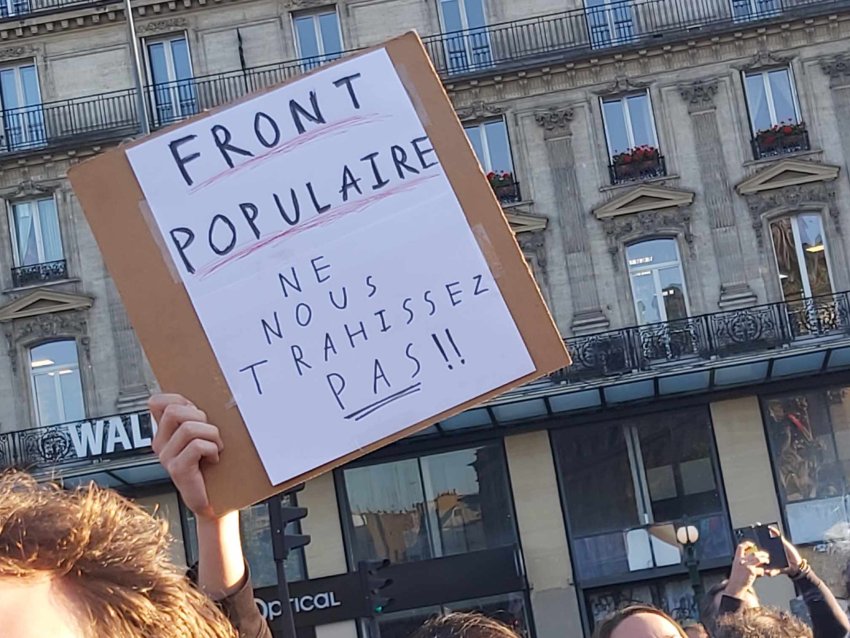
{"x": 622, "y": 173}
{"x": 66, "y": 122}
{"x": 574, "y": 33}
{"x": 39, "y": 273}
{"x": 78, "y": 443}
{"x": 716, "y": 335}
{"x": 771, "y": 144}
{"x": 17, "y": 9}
{"x": 507, "y": 193}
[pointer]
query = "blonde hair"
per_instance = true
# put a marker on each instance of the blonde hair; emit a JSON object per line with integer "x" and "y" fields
{"x": 108, "y": 555}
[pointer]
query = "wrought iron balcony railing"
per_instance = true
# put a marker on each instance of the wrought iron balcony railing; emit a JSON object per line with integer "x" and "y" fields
{"x": 79, "y": 443}
{"x": 17, "y": 9}
{"x": 775, "y": 142}
{"x": 717, "y": 335}
{"x": 637, "y": 169}
{"x": 577, "y": 32}
{"x": 507, "y": 192}
{"x": 39, "y": 273}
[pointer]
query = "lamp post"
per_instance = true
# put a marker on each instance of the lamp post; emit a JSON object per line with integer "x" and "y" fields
{"x": 688, "y": 537}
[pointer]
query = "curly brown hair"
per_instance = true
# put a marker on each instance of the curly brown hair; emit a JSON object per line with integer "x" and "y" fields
{"x": 761, "y": 622}
{"x": 107, "y": 555}
{"x": 463, "y": 625}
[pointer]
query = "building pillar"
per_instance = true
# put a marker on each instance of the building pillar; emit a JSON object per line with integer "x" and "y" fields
{"x": 133, "y": 392}
{"x": 837, "y": 69}
{"x": 325, "y": 555}
{"x": 748, "y": 478}
{"x": 588, "y": 316}
{"x": 543, "y": 537}
{"x": 735, "y": 292}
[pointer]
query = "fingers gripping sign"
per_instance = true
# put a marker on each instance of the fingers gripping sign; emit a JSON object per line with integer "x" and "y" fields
{"x": 184, "y": 439}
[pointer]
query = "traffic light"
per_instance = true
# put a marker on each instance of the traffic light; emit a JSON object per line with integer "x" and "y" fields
{"x": 374, "y": 583}
{"x": 283, "y": 519}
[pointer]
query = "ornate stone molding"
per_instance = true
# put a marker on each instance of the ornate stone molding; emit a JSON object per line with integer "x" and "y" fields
{"x": 478, "y": 110}
{"x": 555, "y": 120}
{"x": 790, "y": 198}
{"x": 787, "y": 172}
{"x": 15, "y": 52}
{"x": 168, "y": 24}
{"x": 837, "y": 69}
{"x": 42, "y": 327}
{"x": 28, "y": 188}
{"x": 622, "y": 84}
{"x": 643, "y": 198}
{"x": 533, "y": 243}
{"x": 763, "y": 59}
{"x": 623, "y": 229}
{"x": 43, "y": 302}
{"x": 700, "y": 96}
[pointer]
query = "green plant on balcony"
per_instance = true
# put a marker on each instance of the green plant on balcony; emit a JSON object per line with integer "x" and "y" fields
{"x": 785, "y": 137}
{"x": 640, "y": 162}
{"x": 504, "y": 185}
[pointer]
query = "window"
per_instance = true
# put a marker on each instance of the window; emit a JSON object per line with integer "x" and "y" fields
{"x": 36, "y": 242}
{"x": 170, "y": 70}
{"x": 55, "y": 379}
{"x": 23, "y": 117}
{"x": 658, "y": 284}
{"x": 652, "y": 472}
{"x": 610, "y": 22}
{"x": 745, "y": 10}
{"x": 493, "y": 149}
{"x": 466, "y": 40}
{"x": 431, "y": 506}
{"x": 318, "y": 37}
{"x": 631, "y": 138}
{"x": 801, "y": 256}
{"x": 14, "y": 8}
{"x": 774, "y": 114}
{"x": 808, "y": 436}
{"x": 257, "y": 544}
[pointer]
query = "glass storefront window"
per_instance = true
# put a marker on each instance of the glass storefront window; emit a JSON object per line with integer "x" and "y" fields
{"x": 652, "y": 473}
{"x": 432, "y": 506}
{"x": 509, "y": 609}
{"x": 257, "y": 545}
{"x": 808, "y": 435}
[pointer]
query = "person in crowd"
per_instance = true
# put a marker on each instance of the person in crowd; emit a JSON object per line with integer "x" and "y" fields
{"x": 463, "y": 625}
{"x": 88, "y": 563}
{"x": 737, "y": 594}
{"x": 639, "y": 621}
{"x": 761, "y": 622}
{"x": 694, "y": 629}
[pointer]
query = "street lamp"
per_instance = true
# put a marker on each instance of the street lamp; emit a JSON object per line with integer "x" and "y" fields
{"x": 688, "y": 537}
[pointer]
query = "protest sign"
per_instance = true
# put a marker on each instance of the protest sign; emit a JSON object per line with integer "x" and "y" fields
{"x": 321, "y": 267}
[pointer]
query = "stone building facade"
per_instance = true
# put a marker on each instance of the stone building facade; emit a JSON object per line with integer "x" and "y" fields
{"x": 676, "y": 175}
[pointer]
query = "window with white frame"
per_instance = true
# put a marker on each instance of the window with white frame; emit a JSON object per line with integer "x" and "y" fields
{"x": 610, "y": 22}
{"x": 628, "y": 123}
{"x": 318, "y": 36}
{"x": 657, "y": 280}
{"x": 36, "y": 238}
{"x": 493, "y": 149}
{"x": 170, "y": 71}
{"x": 466, "y": 40}
{"x": 746, "y": 10}
{"x": 802, "y": 256}
{"x": 23, "y": 115}
{"x": 57, "y": 389}
{"x": 771, "y": 99}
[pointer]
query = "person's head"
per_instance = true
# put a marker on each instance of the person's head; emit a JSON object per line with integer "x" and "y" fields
{"x": 89, "y": 563}
{"x": 695, "y": 630}
{"x": 463, "y": 625}
{"x": 761, "y": 622}
{"x": 639, "y": 621}
{"x": 710, "y": 606}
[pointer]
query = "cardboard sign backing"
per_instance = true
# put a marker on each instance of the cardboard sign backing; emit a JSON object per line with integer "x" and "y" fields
{"x": 171, "y": 333}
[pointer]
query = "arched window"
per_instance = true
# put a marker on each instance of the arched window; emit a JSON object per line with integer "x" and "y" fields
{"x": 658, "y": 284}
{"x": 55, "y": 379}
{"x": 802, "y": 258}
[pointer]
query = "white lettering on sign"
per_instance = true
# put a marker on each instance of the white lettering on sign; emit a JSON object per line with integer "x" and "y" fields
{"x": 330, "y": 263}
{"x": 301, "y": 604}
{"x": 88, "y": 437}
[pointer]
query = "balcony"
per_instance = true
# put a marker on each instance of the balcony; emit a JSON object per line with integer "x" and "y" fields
{"x": 781, "y": 139}
{"x": 580, "y": 32}
{"x": 34, "y": 274}
{"x": 80, "y": 445}
{"x": 636, "y": 165}
{"x": 505, "y": 187}
{"x": 18, "y": 9}
{"x": 721, "y": 335}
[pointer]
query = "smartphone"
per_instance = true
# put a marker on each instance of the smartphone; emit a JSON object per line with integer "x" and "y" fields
{"x": 763, "y": 538}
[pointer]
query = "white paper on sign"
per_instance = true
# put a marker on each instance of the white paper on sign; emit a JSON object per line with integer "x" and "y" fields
{"x": 330, "y": 264}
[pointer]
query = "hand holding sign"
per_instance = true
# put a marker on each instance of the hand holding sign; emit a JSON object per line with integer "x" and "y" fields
{"x": 333, "y": 269}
